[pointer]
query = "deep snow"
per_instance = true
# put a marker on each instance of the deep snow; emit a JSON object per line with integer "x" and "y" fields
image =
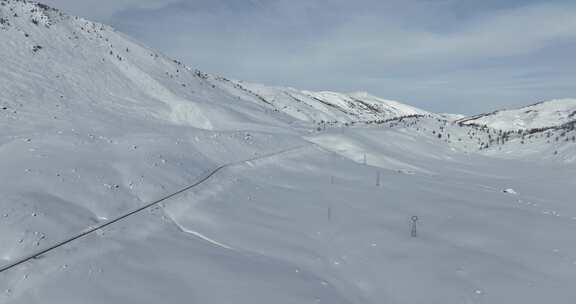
{"x": 93, "y": 125}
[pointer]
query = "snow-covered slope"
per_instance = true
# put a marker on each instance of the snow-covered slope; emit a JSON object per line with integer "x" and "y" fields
{"x": 94, "y": 68}
{"x": 329, "y": 106}
{"x": 54, "y": 64}
{"x": 553, "y": 143}
{"x": 94, "y": 125}
{"x": 541, "y": 115}
{"x": 452, "y": 117}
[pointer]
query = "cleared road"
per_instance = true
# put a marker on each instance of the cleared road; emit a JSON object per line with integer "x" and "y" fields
{"x": 124, "y": 216}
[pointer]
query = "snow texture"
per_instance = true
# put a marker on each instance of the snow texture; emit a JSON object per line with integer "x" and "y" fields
{"x": 94, "y": 125}
{"x": 541, "y": 115}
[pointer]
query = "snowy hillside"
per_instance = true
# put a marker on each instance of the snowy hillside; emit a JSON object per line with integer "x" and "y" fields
{"x": 541, "y": 115}
{"x": 552, "y": 143}
{"x": 129, "y": 177}
{"x": 94, "y": 68}
{"x": 94, "y": 124}
{"x": 329, "y": 106}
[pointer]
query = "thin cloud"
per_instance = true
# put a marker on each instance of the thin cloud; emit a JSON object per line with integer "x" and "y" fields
{"x": 508, "y": 33}
{"x": 104, "y": 10}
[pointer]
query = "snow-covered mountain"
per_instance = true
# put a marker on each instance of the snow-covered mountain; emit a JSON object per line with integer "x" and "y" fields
{"x": 329, "y": 106}
{"x": 552, "y": 143}
{"x": 299, "y": 197}
{"x": 86, "y": 57}
{"x": 546, "y": 114}
{"x": 93, "y": 68}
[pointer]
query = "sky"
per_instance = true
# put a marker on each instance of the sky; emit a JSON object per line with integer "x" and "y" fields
{"x": 457, "y": 56}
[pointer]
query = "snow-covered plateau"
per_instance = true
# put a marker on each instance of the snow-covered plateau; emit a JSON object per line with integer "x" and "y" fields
{"x": 265, "y": 194}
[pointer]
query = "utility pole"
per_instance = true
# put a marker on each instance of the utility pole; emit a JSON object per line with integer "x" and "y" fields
{"x": 413, "y": 231}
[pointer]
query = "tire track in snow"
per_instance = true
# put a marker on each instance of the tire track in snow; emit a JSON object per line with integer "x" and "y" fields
{"x": 201, "y": 180}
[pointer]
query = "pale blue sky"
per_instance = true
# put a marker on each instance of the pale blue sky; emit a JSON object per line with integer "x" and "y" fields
{"x": 463, "y": 56}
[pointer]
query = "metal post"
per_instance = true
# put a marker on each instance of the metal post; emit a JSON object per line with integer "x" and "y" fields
{"x": 413, "y": 231}
{"x": 329, "y": 214}
{"x": 377, "y": 179}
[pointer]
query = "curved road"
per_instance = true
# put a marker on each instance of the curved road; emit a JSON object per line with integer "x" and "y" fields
{"x": 82, "y": 234}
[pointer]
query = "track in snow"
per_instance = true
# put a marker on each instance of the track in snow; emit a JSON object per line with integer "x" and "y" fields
{"x": 80, "y": 235}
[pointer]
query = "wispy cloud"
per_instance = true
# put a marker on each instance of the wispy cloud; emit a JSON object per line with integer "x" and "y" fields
{"x": 104, "y": 10}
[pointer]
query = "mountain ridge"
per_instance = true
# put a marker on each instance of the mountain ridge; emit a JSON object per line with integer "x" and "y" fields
{"x": 541, "y": 115}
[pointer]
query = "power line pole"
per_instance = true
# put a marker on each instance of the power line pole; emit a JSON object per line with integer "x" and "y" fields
{"x": 413, "y": 231}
